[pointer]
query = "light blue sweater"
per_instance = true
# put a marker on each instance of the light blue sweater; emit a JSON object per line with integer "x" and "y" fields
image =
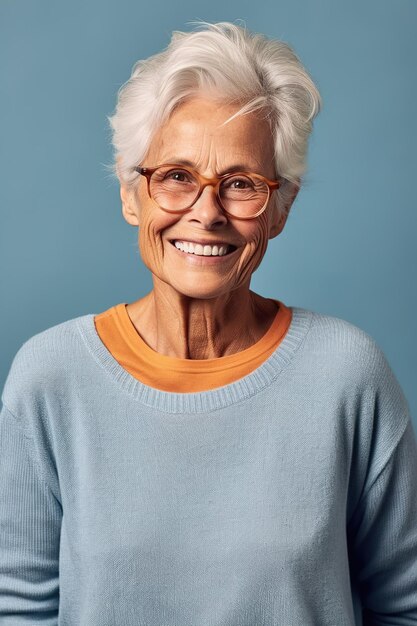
{"x": 288, "y": 497}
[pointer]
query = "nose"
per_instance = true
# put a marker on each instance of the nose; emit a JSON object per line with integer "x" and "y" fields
{"x": 207, "y": 210}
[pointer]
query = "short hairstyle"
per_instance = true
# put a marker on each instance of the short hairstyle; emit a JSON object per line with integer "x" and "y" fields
{"x": 233, "y": 65}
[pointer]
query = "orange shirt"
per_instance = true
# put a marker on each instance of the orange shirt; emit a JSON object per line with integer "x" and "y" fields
{"x": 118, "y": 333}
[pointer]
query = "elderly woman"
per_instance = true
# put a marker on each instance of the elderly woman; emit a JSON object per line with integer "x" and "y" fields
{"x": 206, "y": 456}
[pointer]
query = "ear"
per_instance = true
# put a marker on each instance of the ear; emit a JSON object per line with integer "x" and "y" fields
{"x": 129, "y": 206}
{"x": 127, "y": 196}
{"x": 280, "y": 216}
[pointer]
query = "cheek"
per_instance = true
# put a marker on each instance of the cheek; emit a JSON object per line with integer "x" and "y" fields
{"x": 254, "y": 250}
{"x": 257, "y": 238}
{"x": 151, "y": 245}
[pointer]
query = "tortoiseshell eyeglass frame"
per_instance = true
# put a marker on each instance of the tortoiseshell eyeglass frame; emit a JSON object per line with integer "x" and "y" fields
{"x": 205, "y": 182}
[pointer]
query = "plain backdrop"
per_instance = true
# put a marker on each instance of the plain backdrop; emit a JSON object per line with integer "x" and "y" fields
{"x": 349, "y": 246}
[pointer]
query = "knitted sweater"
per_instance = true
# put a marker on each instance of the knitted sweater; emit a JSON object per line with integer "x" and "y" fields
{"x": 287, "y": 497}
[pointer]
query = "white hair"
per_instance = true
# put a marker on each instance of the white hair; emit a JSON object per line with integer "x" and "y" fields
{"x": 235, "y": 66}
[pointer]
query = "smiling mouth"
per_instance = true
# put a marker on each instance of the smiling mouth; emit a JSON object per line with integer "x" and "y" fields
{"x": 199, "y": 250}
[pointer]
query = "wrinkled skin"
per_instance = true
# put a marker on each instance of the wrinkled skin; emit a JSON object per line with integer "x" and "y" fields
{"x": 197, "y": 310}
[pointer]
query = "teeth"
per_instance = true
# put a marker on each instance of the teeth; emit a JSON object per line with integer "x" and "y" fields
{"x": 199, "y": 250}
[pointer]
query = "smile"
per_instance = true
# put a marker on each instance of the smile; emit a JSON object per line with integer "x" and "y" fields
{"x": 197, "y": 254}
{"x": 203, "y": 250}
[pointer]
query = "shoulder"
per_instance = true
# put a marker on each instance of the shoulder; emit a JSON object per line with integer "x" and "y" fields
{"x": 338, "y": 345}
{"x": 343, "y": 358}
{"x": 337, "y": 332}
{"x": 349, "y": 365}
{"x": 48, "y": 346}
{"x": 43, "y": 362}
{"x": 352, "y": 366}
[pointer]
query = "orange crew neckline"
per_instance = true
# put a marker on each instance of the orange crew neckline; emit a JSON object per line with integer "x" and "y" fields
{"x": 119, "y": 335}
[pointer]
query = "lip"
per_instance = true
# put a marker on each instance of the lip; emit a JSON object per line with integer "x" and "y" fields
{"x": 205, "y": 242}
{"x": 196, "y": 259}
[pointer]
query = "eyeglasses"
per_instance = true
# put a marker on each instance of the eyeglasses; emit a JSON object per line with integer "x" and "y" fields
{"x": 175, "y": 188}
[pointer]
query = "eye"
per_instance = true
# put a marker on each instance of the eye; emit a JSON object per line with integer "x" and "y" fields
{"x": 180, "y": 176}
{"x": 239, "y": 183}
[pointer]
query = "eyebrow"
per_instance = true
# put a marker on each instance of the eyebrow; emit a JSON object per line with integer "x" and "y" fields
{"x": 238, "y": 167}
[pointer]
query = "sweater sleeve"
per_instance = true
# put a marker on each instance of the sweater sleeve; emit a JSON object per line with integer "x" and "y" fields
{"x": 383, "y": 539}
{"x": 30, "y": 523}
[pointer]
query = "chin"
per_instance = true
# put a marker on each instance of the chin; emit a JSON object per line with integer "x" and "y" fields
{"x": 199, "y": 289}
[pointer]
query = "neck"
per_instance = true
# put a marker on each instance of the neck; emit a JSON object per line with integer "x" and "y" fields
{"x": 190, "y": 328}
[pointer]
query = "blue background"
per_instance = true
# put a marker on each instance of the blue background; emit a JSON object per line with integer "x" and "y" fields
{"x": 349, "y": 247}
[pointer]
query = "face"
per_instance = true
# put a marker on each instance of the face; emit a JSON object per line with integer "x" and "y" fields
{"x": 194, "y": 133}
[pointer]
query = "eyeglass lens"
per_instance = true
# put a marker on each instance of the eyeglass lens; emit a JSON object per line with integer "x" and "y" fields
{"x": 174, "y": 189}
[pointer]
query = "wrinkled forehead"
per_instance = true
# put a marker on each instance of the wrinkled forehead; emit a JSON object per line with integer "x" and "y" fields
{"x": 202, "y": 132}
